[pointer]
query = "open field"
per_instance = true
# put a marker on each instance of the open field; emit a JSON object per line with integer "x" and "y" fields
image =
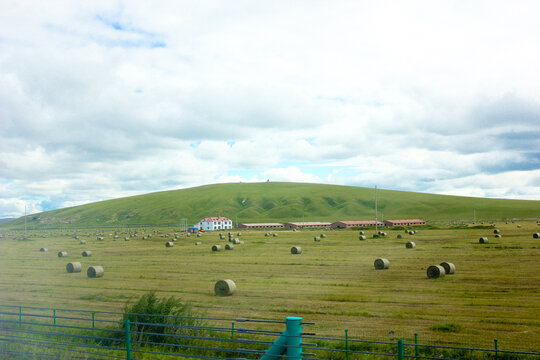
{"x": 279, "y": 202}
{"x": 495, "y": 292}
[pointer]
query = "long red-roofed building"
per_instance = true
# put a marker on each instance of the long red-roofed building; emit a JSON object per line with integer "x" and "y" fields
{"x": 407, "y": 222}
{"x": 359, "y": 223}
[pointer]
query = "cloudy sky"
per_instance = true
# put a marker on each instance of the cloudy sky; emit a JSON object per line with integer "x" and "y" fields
{"x": 105, "y": 99}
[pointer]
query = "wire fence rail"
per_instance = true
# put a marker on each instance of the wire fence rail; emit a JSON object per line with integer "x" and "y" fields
{"x": 45, "y": 333}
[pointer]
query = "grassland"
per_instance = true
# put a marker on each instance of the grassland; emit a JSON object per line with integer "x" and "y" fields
{"x": 261, "y": 202}
{"x": 495, "y": 292}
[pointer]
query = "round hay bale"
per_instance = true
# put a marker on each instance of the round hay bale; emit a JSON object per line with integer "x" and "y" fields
{"x": 86, "y": 253}
{"x": 225, "y": 287}
{"x": 236, "y": 241}
{"x": 362, "y": 233}
{"x": 221, "y": 236}
{"x": 362, "y": 237}
{"x": 199, "y": 234}
{"x": 383, "y": 233}
{"x": 188, "y": 234}
{"x": 410, "y": 245}
{"x": 43, "y": 249}
{"x": 82, "y": 242}
{"x": 399, "y": 236}
{"x": 73, "y": 267}
{"x": 498, "y": 236}
{"x": 229, "y": 247}
{"x": 275, "y": 234}
{"x": 216, "y": 248}
{"x": 323, "y": 236}
{"x": 375, "y": 235}
{"x": 496, "y": 231}
{"x": 198, "y": 243}
{"x": 267, "y": 234}
{"x": 95, "y": 271}
{"x": 435, "y": 271}
{"x": 316, "y": 239}
{"x": 62, "y": 254}
{"x": 411, "y": 232}
{"x": 381, "y": 264}
{"x": 169, "y": 244}
{"x": 100, "y": 238}
{"x": 483, "y": 240}
{"x": 449, "y": 268}
{"x": 126, "y": 239}
{"x": 536, "y": 235}
{"x": 296, "y": 250}
{"x": 519, "y": 226}
{"x": 239, "y": 234}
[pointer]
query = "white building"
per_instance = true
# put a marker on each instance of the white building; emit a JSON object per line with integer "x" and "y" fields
{"x": 214, "y": 223}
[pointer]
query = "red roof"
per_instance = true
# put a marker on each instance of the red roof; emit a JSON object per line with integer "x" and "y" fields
{"x": 216, "y": 218}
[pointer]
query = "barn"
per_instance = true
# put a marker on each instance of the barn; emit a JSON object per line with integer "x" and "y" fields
{"x": 260, "y": 225}
{"x": 357, "y": 223}
{"x": 409, "y": 222}
{"x": 307, "y": 225}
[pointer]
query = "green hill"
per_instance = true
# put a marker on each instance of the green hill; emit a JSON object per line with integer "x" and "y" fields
{"x": 281, "y": 202}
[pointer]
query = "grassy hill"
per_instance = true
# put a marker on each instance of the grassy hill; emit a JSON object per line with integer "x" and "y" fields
{"x": 274, "y": 201}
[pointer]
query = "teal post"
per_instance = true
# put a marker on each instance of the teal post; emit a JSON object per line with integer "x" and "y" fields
{"x": 93, "y": 320}
{"x": 294, "y": 333}
{"x": 496, "y": 347}
{"x": 232, "y": 330}
{"x": 416, "y": 345}
{"x": 20, "y": 316}
{"x": 347, "y": 344}
{"x": 54, "y": 316}
{"x": 289, "y": 343}
{"x": 400, "y": 350}
{"x": 128, "y": 340}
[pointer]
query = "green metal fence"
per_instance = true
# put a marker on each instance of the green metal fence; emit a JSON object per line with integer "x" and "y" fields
{"x": 44, "y": 333}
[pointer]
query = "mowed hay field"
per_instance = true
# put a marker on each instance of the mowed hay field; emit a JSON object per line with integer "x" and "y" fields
{"x": 494, "y": 293}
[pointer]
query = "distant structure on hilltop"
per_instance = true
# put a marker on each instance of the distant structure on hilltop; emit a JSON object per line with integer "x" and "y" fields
{"x": 214, "y": 223}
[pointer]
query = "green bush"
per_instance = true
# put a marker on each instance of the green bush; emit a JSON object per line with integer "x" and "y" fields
{"x": 148, "y": 315}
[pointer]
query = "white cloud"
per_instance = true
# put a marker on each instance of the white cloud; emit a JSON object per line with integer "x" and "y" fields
{"x": 290, "y": 173}
{"x": 103, "y": 99}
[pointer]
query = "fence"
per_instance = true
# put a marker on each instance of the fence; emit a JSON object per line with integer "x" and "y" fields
{"x": 44, "y": 333}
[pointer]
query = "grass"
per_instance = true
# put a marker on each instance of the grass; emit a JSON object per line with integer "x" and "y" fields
{"x": 277, "y": 202}
{"x": 494, "y": 293}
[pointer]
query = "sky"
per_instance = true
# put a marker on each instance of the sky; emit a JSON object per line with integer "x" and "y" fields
{"x": 106, "y": 99}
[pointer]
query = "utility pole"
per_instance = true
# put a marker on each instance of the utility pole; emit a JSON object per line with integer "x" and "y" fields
{"x": 376, "y": 222}
{"x": 25, "y": 221}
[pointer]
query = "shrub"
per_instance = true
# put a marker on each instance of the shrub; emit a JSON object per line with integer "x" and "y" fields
{"x": 148, "y": 315}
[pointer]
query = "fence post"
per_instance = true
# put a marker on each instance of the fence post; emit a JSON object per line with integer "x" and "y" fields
{"x": 400, "y": 350}
{"x": 93, "y": 320}
{"x": 416, "y": 344}
{"x": 347, "y": 344}
{"x": 232, "y": 330}
{"x": 128, "y": 340}
{"x": 496, "y": 347}
{"x": 294, "y": 334}
{"x": 54, "y": 316}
